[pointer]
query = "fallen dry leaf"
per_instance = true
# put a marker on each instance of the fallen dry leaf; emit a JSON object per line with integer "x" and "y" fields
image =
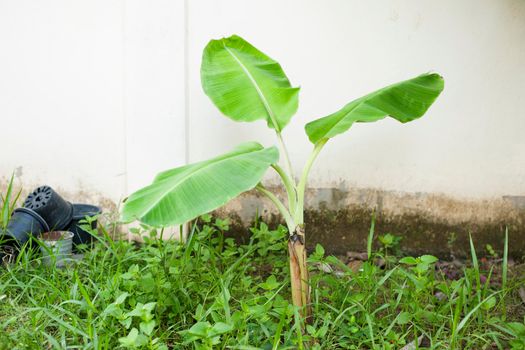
{"x": 412, "y": 345}
{"x": 357, "y": 256}
{"x": 324, "y": 267}
{"x": 355, "y": 265}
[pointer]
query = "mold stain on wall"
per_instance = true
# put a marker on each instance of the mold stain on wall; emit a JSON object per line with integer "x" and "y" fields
{"x": 437, "y": 224}
{"x": 339, "y": 217}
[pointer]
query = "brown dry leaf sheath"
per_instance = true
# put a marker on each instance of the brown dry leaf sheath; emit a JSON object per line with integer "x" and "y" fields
{"x": 299, "y": 272}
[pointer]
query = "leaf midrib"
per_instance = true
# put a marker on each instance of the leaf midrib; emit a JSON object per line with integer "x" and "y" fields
{"x": 256, "y": 86}
{"x": 198, "y": 169}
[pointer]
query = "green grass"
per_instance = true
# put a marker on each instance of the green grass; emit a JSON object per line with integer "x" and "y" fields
{"x": 197, "y": 295}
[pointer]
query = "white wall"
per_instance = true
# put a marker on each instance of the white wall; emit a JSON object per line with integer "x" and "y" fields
{"x": 91, "y": 92}
{"x": 61, "y": 92}
{"x": 102, "y": 94}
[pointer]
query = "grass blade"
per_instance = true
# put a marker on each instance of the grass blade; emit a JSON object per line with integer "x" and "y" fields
{"x": 6, "y": 202}
{"x": 475, "y": 265}
{"x": 505, "y": 269}
{"x": 371, "y": 236}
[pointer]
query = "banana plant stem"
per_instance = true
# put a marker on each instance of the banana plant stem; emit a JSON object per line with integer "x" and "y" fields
{"x": 291, "y": 191}
{"x": 286, "y": 156}
{"x": 282, "y": 209}
{"x": 301, "y": 187}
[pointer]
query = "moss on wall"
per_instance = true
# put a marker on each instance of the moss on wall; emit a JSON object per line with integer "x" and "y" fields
{"x": 428, "y": 223}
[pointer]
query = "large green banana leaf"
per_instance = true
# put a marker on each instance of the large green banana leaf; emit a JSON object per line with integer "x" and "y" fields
{"x": 247, "y": 85}
{"x": 404, "y": 101}
{"x": 181, "y": 194}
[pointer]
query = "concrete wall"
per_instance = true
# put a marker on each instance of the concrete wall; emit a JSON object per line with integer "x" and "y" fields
{"x": 100, "y": 95}
{"x": 92, "y": 93}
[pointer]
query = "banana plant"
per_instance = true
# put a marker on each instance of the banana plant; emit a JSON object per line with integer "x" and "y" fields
{"x": 246, "y": 85}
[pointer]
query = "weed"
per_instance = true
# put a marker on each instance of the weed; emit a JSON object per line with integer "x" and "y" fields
{"x": 197, "y": 295}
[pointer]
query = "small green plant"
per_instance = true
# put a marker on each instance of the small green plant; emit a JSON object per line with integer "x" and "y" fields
{"x": 390, "y": 245}
{"x": 389, "y": 240}
{"x": 420, "y": 267}
{"x": 517, "y": 331}
{"x": 491, "y": 252}
{"x": 205, "y": 335}
{"x": 247, "y": 85}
